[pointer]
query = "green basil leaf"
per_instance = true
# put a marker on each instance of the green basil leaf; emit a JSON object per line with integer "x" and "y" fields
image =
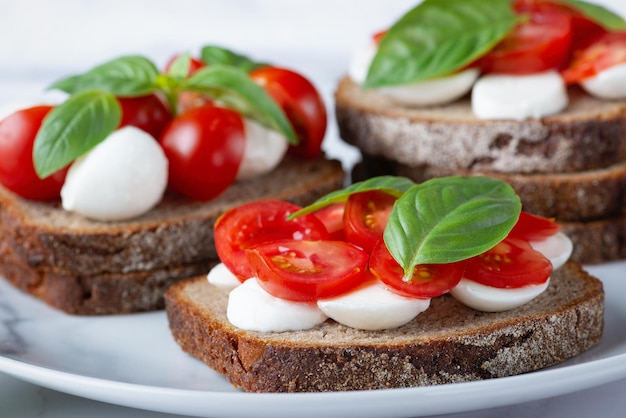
{"x": 180, "y": 67}
{"x": 68, "y": 84}
{"x": 73, "y": 128}
{"x": 449, "y": 219}
{"x": 215, "y": 55}
{"x": 437, "y": 38}
{"x": 390, "y": 184}
{"x": 598, "y": 14}
{"x": 127, "y": 76}
{"x": 236, "y": 90}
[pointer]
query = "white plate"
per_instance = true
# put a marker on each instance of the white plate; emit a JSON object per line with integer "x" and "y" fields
{"x": 132, "y": 360}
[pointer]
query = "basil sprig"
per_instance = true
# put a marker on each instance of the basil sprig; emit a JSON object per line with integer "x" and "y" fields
{"x": 438, "y": 37}
{"x": 598, "y": 14}
{"x": 92, "y": 111}
{"x": 442, "y": 220}
{"x": 234, "y": 88}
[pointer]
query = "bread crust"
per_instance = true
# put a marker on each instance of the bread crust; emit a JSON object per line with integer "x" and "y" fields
{"x": 448, "y": 343}
{"x": 589, "y": 134}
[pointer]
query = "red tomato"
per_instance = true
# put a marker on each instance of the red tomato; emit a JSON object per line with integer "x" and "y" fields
{"x": 366, "y": 216}
{"x": 302, "y": 104}
{"x": 584, "y": 30}
{"x": 378, "y": 36}
{"x": 17, "y": 171}
{"x": 534, "y": 228}
{"x": 607, "y": 51}
{"x": 260, "y": 222}
{"x": 428, "y": 280}
{"x": 147, "y": 113}
{"x": 308, "y": 270}
{"x": 195, "y": 64}
{"x": 510, "y": 264}
{"x": 542, "y": 43}
{"x": 332, "y": 218}
{"x": 204, "y": 147}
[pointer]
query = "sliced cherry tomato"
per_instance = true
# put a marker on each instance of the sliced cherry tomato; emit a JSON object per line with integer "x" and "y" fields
{"x": 302, "y": 104}
{"x": 607, "y": 51}
{"x": 584, "y": 30}
{"x": 542, "y": 43}
{"x": 366, "y": 216}
{"x": 308, "y": 270}
{"x": 428, "y": 280}
{"x": 534, "y": 228}
{"x": 147, "y": 113}
{"x": 332, "y": 218}
{"x": 204, "y": 147}
{"x": 195, "y": 64}
{"x": 17, "y": 171}
{"x": 260, "y": 222}
{"x": 510, "y": 264}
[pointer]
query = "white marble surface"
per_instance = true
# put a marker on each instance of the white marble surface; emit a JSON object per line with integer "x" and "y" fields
{"x": 43, "y": 40}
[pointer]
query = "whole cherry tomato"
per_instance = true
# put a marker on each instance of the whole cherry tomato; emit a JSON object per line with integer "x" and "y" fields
{"x": 17, "y": 171}
{"x": 147, "y": 113}
{"x": 302, "y": 104}
{"x": 204, "y": 147}
{"x": 304, "y": 270}
{"x": 539, "y": 44}
{"x": 260, "y": 222}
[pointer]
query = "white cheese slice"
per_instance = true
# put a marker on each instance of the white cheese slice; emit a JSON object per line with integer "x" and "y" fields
{"x": 609, "y": 84}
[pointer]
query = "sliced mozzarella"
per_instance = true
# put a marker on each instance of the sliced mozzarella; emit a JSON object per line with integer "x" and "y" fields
{"x": 493, "y": 299}
{"x": 120, "y": 178}
{"x": 435, "y": 91}
{"x": 223, "y": 278}
{"x": 251, "y": 308}
{"x": 373, "y": 307}
{"x": 265, "y": 148}
{"x": 557, "y": 248}
{"x": 424, "y": 93}
{"x": 608, "y": 84}
{"x": 519, "y": 97}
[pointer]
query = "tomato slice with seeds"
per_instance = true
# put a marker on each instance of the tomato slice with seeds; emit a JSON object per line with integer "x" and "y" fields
{"x": 607, "y": 51}
{"x": 260, "y": 222}
{"x": 510, "y": 264}
{"x": 428, "y": 280}
{"x": 365, "y": 217}
{"x": 302, "y": 270}
{"x": 332, "y": 218}
{"x": 542, "y": 43}
{"x": 534, "y": 228}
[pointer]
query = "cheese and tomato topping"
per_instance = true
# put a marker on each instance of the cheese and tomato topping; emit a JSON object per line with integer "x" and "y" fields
{"x": 361, "y": 285}
{"x": 523, "y": 76}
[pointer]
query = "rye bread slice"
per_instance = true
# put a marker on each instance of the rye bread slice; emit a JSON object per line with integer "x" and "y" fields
{"x": 589, "y": 134}
{"x": 178, "y": 232}
{"x": 448, "y": 343}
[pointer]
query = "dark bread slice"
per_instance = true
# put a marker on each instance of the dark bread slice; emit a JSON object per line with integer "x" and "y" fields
{"x": 448, "y": 343}
{"x": 102, "y": 294}
{"x": 178, "y": 232}
{"x": 580, "y": 196}
{"x": 589, "y": 134}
